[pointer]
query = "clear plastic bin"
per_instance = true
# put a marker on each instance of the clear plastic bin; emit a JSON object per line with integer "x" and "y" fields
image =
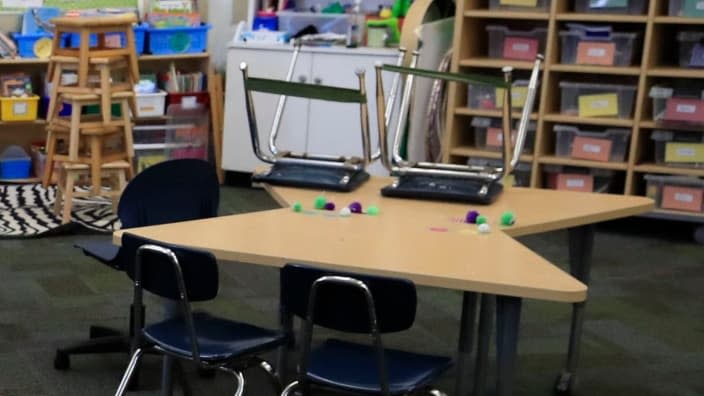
{"x": 611, "y": 6}
{"x": 293, "y": 22}
{"x": 151, "y": 104}
{"x": 488, "y": 134}
{"x": 609, "y": 145}
{"x": 691, "y": 49}
{"x": 505, "y": 43}
{"x": 681, "y": 105}
{"x": 487, "y": 97}
{"x": 540, "y": 5}
{"x": 521, "y": 173}
{"x": 571, "y": 178}
{"x": 683, "y": 149}
{"x": 597, "y": 100}
{"x": 682, "y": 193}
{"x": 590, "y": 45}
{"x": 686, "y": 8}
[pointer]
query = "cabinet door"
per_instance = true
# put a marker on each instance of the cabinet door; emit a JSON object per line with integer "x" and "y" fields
{"x": 238, "y": 154}
{"x": 334, "y": 128}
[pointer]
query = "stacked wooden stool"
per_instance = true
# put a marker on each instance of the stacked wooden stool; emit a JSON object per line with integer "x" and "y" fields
{"x": 95, "y": 147}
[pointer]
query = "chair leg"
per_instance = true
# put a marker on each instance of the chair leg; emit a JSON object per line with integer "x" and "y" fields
{"x": 128, "y": 373}
{"x": 238, "y": 376}
{"x": 289, "y": 388}
{"x": 49, "y": 164}
{"x": 273, "y": 378}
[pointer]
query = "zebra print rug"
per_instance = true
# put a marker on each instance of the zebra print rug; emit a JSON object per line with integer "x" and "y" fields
{"x": 27, "y": 210}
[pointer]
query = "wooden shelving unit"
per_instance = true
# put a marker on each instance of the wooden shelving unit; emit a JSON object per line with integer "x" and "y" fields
{"x": 655, "y": 63}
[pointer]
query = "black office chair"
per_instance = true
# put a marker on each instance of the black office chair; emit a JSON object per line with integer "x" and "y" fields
{"x": 171, "y": 191}
{"x": 184, "y": 275}
{"x": 360, "y": 304}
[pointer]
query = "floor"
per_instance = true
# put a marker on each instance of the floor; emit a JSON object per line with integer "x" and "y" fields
{"x": 644, "y": 333}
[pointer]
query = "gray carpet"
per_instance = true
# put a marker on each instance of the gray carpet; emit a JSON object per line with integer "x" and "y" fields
{"x": 644, "y": 333}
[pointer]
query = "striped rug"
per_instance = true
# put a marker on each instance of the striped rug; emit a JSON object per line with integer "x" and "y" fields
{"x": 27, "y": 210}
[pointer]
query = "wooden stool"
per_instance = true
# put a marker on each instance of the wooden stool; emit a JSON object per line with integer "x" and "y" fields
{"x": 69, "y": 178}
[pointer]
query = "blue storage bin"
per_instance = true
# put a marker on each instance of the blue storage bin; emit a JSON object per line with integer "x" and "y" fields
{"x": 15, "y": 163}
{"x": 178, "y": 40}
{"x": 25, "y": 43}
{"x": 73, "y": 40}
{"x": 140, "y": 33}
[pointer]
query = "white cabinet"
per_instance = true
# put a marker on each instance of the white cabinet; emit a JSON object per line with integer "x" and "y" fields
{"x": 307, "y": 125}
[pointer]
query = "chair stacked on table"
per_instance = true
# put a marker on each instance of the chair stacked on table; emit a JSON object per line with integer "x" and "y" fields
{"x": 100, "y": 73}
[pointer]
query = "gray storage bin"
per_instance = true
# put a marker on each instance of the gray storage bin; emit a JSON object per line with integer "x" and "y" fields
{"x": 655, "y": 185}
{"x": 293, "y": 22}
{"x": 540, "y": 5}
{"x": 611, "y": 6}
{"x": 566, "y": 134}
{"x": 481, "y": 127}
{"x": 691, "y": 49}
{"x": 686, "y": 8}
{"x": 499, "y": 34}
{"x": 625, "y": 44}
{"x": 685, "y": 148}
{"x": 603, "y": 178}
{"x": 572, "y": 91}
{"x": 483, "y": 97}
{"x": 521, "y": 173}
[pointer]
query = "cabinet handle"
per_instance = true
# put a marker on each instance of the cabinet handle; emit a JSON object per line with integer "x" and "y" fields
{"x": 318, "y": 80}
{"x": 302, "y": 78}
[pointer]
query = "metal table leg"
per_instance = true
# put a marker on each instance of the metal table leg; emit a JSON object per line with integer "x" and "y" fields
{"x": 486, "y": 321}
{"x": 581, "y": 245}
{"x": 508, "y": 318}
{"x": 286, "y": 326}
{"x": 465, "y": 341}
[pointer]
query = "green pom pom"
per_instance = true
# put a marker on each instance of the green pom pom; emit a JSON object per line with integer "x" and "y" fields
{"x": 320, "y": 202}
{"x": 482, "y": 219}
{"x": 508, "y": 218}
{"x": 372, "y": 210}
{"x": 297, "y": 207}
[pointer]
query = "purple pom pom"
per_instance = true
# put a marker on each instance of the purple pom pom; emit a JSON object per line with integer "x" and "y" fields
{"x": 329, "y": 206}
{"x": 472, "y": 217}
{"x": 355, "y": 207}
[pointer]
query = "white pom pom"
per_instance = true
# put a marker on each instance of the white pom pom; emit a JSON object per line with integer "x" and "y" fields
{"x": 484, "y": 228}
{"x": 345, "y": 212}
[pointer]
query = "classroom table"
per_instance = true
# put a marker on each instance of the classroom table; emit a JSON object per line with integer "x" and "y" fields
{"x": 429, "y": 243}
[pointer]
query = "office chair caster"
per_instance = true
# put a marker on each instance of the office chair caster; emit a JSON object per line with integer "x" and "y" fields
{"x": 564, "y": 384}
{"x": 62, "y": 361}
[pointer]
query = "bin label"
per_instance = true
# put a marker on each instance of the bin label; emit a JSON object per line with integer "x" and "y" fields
{"x": 591, "y": 148}
{"x": 598, "y": 105}
{"x": 518, "y": 97}
{"x": 684, "y": 109}
{"x": 575, "y": 182}
{"x": 595, "y": 53}
{"x": 520, "y": 48}
{"x": 521, "y": 3}
{"x": 684, "y": 152}
{"x": 19, "y": 108}
{"x": 693, "y": 8}
{"x": 682, "y": 198}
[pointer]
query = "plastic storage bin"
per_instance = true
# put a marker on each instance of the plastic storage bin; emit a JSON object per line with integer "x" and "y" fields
{"x": 521, "y": 173}
{"x": 188, "y": 97}
{"x": 488, "y": 134}
{"x": 151, "y": 104}
{"x": 540, "y": 5}
{"x": 487, "y": 97}
{"x": 682, "y": 105}
{"x": 587, "y": 45}
{"x": 505, "y": 43}
{"x": 686, "y": 8}
{"x": 178, "y": 40}
{"x": 293, "y": 22}
{"x": 597, "y": 100}
{"x": 611, "y": 6}
{"x": 19, "y": 109}
{"x": 678, "y": 149}
{"x": 570, "y": 178}
{"x": 691, "y": 49}
{"x": 15, "y": 163}
{"x": 682, "y": 193}
{"x": 610, "y": 145}
{"x": 26, "y": 44}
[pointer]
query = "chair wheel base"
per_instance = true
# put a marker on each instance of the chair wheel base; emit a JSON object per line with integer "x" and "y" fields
{"x": 206, "y": 373}
{"x": 62, "y": 361}
{"x": 563, "y": 384}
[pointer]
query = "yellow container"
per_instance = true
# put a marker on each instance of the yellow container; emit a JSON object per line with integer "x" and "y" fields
{"x": 19, "y": 109}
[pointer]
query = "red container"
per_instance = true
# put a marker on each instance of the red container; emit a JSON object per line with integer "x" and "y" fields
{"x": 178, "y": 98}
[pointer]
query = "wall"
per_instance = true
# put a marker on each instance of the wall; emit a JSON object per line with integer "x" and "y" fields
{"x": 223, "y": 15}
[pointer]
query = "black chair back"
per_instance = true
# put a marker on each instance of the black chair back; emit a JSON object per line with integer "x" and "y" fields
{"x": 344, "y": 307}
{"x": 170, "y": 191}
{"x": 198, "y": 268}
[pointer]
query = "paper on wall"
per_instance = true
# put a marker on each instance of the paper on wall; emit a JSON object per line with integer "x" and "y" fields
{"x": 22, "y": 3}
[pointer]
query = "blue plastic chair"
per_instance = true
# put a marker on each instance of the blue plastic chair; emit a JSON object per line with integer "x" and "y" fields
{"x": 186, "y": 275}
{"x": 359, "y": 304}
{"x": 170, "y": 191}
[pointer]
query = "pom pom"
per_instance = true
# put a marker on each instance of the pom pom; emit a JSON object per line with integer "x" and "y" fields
{"x": 471, "y": 217}
{"x": 345, "y": 212}
{"x": 372, "y": 211}
{"x": 355, "y": 207}
{"x": 319, "y": 202}
{"x": 329, "y": 206}
{"x": 297, "y": 207}
{"x": 484, "y": 228}
{"x": 482, "y": 219}
{"x": 508, "y": 218}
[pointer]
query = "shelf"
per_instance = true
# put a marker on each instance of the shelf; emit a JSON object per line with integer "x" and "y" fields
{"x": 675, "y": 215}
{"x": 470, "y": 151}
{"x": 672, "y": 170}
{"x": 613, "y": 18}
{"x": 32, "y": 122}
{"x": 678, "y": 20}
{"x": 592, "y": 69}
{"x": 195, "y": 55}
{"x": 497, "y": 14}
{"x": 491, "y": 63}
{"x": 553, "y": 160}
{"x": 617, "y": 122}
{"x": 22, "y": 181}
{"x": 464, "y": 111}
{"x": 674, "y": 125}
{"x": 676, "y": 72}
{"x": 24, "y": 61}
